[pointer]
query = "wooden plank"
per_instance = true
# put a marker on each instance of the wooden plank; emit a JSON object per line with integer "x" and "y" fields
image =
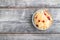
{"x": 24, "y": 3}
{"x": 29, "y": 36}
{"x": 19, "y": 21}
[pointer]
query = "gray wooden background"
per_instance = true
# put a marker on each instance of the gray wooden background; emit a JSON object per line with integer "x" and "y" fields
{"x": 16, "y": 16}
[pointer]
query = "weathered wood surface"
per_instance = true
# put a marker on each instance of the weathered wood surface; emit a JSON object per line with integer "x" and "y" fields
{"x": 24, "y": 3}
{"x": 15, "y": 18}
{"x": 29, "y": 36}
{"x": 19, "y": 21}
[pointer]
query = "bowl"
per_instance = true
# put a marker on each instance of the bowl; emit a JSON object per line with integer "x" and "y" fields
{"x": 33, "y": 20}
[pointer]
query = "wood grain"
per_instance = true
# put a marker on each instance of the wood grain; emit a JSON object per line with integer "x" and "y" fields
{"x": 16, "y": 24}
{"x": 19, "y": 21}
{"x": 29, "y": 36}
{"x": 24, "y": 3}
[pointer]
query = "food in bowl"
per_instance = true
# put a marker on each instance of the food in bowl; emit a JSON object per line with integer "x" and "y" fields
{"x": 42, "y": 19}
